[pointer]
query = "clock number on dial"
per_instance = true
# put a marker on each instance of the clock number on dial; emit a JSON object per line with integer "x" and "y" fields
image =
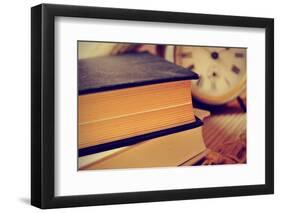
{"x": 186, "y": 55}
{"x": 235, "y": 69}
{"x": 239, "y": 55}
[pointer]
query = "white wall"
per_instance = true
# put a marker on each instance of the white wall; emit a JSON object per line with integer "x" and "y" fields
{"x": 15, "y": 105}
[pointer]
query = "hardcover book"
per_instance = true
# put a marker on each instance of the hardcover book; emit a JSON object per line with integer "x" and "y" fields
{"x": 131, "y": 98}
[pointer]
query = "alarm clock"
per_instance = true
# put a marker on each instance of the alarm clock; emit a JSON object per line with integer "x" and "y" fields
{"x": 221, "y": 70}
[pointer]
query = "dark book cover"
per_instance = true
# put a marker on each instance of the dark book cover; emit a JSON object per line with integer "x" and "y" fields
{"x": 127, "y": 70}
{"x": 137, "y": 139}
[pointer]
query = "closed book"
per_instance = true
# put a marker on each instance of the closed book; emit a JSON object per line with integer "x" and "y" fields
{"x": 137, "y": 139}
{"x": 164, "y": 151}
{"x": 131, "y": 95}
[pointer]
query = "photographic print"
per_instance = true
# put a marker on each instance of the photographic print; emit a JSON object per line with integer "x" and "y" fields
{"x": 133, "y": 106}
{"x": 154, "y": 105}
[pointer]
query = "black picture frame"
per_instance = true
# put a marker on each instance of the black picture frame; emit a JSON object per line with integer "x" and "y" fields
{"x": 43, "y": 102}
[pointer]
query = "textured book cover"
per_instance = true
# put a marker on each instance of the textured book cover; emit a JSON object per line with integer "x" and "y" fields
{"x": 127, "y": 70}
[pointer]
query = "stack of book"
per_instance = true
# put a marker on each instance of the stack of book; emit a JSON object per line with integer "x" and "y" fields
{"x": 135, "y": 110}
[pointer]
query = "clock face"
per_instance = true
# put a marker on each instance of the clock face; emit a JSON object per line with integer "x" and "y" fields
{"x": 222, "y": 71}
